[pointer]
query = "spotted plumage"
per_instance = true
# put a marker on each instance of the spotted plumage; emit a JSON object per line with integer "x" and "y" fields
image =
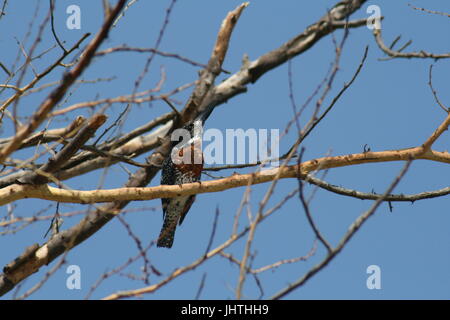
{"x": 183, "y": 165}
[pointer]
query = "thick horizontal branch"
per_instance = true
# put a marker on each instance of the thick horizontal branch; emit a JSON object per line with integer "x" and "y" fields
{"x": 16, "y": 192}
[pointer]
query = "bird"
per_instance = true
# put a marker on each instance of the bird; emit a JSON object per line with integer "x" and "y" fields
{"x": 184, "y": 164}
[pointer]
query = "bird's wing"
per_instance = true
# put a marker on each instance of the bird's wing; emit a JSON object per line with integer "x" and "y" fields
{"x": 186, "y": 208}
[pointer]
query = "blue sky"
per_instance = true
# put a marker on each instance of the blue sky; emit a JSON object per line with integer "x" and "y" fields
{"x": 388, "y": 107}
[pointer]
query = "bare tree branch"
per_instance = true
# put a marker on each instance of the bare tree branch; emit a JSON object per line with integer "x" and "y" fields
{"x": 436, "y": 98}
{"x": 374, "y": 196}
{"x": 397, "y": 54}
{"x": 16, "y": 192}
{"x": 429, "y": 11}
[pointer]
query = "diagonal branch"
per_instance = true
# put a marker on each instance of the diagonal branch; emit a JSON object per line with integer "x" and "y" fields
{"x": 131, "y": 193}
{"x": 436, "y": 134}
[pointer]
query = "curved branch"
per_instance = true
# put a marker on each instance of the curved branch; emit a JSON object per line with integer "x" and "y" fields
{"x": 375, "y": 196}
{"x": 397, "y": 54}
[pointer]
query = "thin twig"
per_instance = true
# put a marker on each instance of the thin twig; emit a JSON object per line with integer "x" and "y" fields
{"x": 52, "y": 8}
{"x": 308, "y": 212}
{"x": 398, "y": 54}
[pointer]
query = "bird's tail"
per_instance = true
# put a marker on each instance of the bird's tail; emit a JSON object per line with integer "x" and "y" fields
{"x": 167, "y": 233}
